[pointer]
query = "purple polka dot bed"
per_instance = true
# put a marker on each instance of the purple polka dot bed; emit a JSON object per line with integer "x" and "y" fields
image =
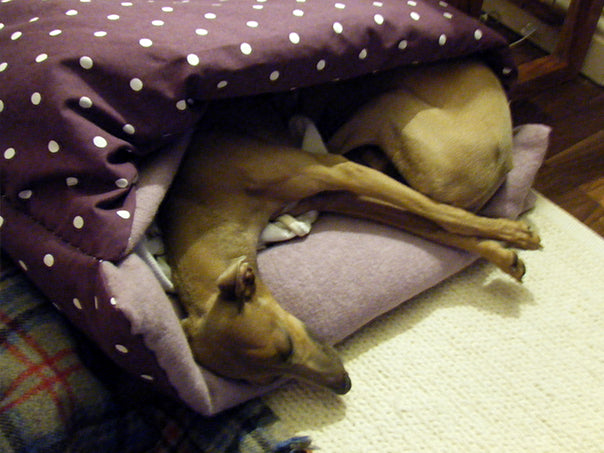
{"x": 96, "y": 101}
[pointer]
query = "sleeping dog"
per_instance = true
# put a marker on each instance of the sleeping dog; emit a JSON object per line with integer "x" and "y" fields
{"x": 447, "y": 130}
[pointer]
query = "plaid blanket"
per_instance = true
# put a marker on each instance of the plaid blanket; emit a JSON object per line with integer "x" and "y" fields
{"x": 59, "y": 393}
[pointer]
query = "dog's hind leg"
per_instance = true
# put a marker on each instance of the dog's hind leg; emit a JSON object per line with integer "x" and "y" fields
{"x": 335, "y": 173}
{"x": 363, "y": 207}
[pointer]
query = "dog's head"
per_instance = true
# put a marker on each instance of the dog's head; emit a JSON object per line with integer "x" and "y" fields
{"x": 247, "y": 335}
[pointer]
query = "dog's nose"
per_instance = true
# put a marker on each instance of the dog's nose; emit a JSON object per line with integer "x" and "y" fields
{"x": 343, "y": 386}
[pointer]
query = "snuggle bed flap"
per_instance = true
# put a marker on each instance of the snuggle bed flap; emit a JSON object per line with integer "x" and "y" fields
{"x": 97, "y": 99}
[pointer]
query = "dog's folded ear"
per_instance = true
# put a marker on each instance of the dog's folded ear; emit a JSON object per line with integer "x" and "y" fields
{"x": 238, "y": 281}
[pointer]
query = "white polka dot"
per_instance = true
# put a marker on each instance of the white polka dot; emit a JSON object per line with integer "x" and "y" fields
{"x": 506, "y": 71}
{"x": 123, "y": 3}
{"x": 321, "y": 65}
{"x": 100, "y": 34}
{"x": 99, "y": 142}
{"x": 442, "y": 39}
{"x": 443, "y": 4}
{"x": 378, "y": 4}
{"x": 121, "y": 348}
{"x": 274, "y": 76}
{"x": 86, "y": 62}
{"x": 113, "y": 17}
{"x": 71, "y": 12}
{"x": 41, "y": 57}
{"x": 340, "y": 5}
{"x": 246, "y": 48}
{"x": 123, "y": 214}
{"x": 412, "y": 3}
{"x": 71, "y": 181}
{"x": 379, "y": 19}
{"x": 77, "y": 303}
{"x": 122, "y": 183}
{"x": 78, "y": 222}
{"x": 338, "y": 28}
{"x": 167, "y": 9}
{"x": 252, "y": 24}
{"x": 363, "y": 54}
{"x": 113, "y": 301}
{"x": 16, "y": 35}
{"x": 403, "y": 44}
{"x": 181, "y": 105}
{"x": 53, "y": 146}
{"x": 145, "y": 42}
{"x": 147, "y": 377}
{"x": 23, "y": 265}
{"x": 1, "y": 221}
{"x": 448, "y": 15}
{"x": 36, "y": 98}
{"x": 257, "y": 6}
{"x": 3, "y": 66}
{"x": 294, "y": 37}
{"x": 25, "y": 194}
{"x": 9, "y": 153}
{"x": 298, "y": 13}
{"x": 414, "y": 15}
{"x": 128, "y": 129}
{"x": 1, "y": 105}
{"x": 209, "y": 16}
{"x": 222, "y": 84}
{"x": 96, "y": 302}
{"x": 477, "y": 35}
{"x": 192, "y": 59}
{"x": 136, "y": 84}
{"x": 201, "y": 32}
{"x": 56, "y": 32}
{"x": 157, "y": 23}
{"x": 49, "y": 260}
{"x": 85, "y": 102}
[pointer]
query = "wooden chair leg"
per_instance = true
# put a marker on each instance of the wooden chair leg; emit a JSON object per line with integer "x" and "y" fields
{"x": 565, "y": 62}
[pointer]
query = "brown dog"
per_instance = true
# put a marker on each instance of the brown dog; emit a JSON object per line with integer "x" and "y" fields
{"x": 449, "y": 133}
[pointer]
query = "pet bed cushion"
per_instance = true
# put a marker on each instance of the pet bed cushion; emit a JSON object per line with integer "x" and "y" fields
{"x": 96, "y": 101}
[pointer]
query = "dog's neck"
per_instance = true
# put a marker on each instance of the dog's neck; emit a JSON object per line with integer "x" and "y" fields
{"x": 211, "y": 253}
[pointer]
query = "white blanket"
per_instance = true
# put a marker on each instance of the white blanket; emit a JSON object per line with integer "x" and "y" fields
{"x": 478, "y": 363}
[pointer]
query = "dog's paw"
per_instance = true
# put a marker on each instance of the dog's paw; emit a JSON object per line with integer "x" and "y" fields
{"x": 519, "y": 234}
{"x": 505, "y": 259}
{"x": 516, "y": 267}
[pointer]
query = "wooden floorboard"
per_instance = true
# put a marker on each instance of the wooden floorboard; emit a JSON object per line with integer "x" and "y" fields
{"x": 572, "y": 175}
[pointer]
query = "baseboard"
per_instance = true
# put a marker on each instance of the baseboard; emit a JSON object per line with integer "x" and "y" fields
{"x": 546, "y": 36}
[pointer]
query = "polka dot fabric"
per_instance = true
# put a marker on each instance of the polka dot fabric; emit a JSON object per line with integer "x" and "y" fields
{"x": 92, "y": 91}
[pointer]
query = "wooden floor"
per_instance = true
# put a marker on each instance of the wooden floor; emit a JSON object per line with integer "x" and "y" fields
{"x": 572, "y": 175}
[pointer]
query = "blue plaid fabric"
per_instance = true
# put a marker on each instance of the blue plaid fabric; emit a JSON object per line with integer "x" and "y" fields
{"x": 59, "y": 393}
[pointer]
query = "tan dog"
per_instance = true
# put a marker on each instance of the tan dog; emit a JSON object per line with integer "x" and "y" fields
{"x": 450, "y": 136}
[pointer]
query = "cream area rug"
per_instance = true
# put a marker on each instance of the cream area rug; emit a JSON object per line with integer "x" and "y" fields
{"x": 478, "y": 363}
